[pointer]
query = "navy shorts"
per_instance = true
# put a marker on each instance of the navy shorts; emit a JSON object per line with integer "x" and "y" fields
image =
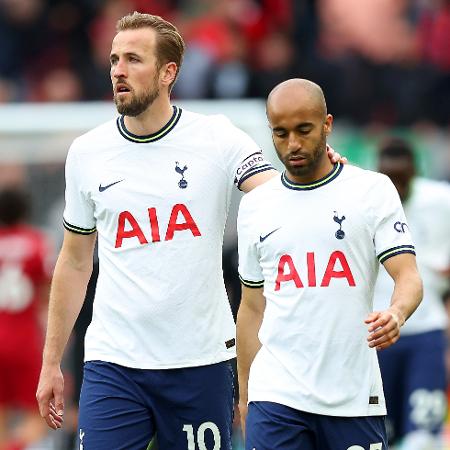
{"x": 414, "y": 381}
{"x": 182, "y": 409}
{"x": 273, "y": 426}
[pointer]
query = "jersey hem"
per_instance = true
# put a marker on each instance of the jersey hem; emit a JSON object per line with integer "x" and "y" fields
{"x": 151, "y": 366}
{"x": 332, "y": 411}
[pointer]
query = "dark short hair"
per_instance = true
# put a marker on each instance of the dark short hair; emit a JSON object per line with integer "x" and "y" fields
{"x": 14, "y": 206}
{"x": 170, "y": 45}
{"x": 395, "y": 147}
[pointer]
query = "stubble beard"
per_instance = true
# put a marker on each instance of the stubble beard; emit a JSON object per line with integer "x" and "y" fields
{"x": 138, "y": 103}
{"x": 313, "y": 161}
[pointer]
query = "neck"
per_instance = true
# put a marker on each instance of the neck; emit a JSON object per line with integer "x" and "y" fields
{"x": 152, "y": 119}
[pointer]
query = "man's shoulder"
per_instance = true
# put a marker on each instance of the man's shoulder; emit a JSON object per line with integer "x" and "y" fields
{"x": 363, "y": 177}
{"x": 432, "y": 191}
{"x": 432, "y": 186}
{"x": 216, "y": 122}
{"x": 98, "y": 135}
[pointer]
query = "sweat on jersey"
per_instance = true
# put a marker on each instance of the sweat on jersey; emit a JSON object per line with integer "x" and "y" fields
{"x": 316, "y": 248}
{"x": 428, "y": 212}
{"x": 159, "y": 205}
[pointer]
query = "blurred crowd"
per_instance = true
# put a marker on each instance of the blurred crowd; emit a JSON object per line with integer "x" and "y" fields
{"x": 385, "y": 61}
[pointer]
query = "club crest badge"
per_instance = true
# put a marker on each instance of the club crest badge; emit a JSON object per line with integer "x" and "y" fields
{"x": 182, "y": 184}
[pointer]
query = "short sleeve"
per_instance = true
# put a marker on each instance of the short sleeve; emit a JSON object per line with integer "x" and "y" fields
{"x": 243, "y": 157}
{"x": 391, "y": 231}
{"x": 250, "y": 272}
{"x": 79, "y": 209}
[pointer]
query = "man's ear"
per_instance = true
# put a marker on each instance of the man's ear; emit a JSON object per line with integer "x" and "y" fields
{"x": 328, "y": 125}
{"x": 168, "y": 73}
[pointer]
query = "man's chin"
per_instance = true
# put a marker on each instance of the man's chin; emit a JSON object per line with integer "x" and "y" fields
{"x": 297, "y": 171}
{"x": 125, "y": 110}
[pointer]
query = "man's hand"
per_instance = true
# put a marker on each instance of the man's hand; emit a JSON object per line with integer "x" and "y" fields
{"x": 50, "y": 396}
{"x": 384, "y": 328}
{"x": 335, "y": 156}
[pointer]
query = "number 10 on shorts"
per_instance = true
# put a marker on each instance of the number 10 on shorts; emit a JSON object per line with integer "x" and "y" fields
{"x": 202, "y": 429}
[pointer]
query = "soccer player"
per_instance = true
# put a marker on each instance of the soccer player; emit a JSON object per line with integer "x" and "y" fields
{"x": 413, "y": 371}
{"x": 25, "y": 260}
{"x": 310, "y": 243}
{"x": 154, "y": 186}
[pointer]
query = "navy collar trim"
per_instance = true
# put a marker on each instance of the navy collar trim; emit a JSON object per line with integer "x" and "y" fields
{"x": 337, "y": 169}
{"x": 164, "y": 131}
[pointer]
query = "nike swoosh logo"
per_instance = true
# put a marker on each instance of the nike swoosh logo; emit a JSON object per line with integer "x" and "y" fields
{"x": 263, "y": 238}
{"x": 103, "y": 188}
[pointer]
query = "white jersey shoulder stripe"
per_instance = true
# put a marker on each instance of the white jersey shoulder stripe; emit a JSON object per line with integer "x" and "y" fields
{"x": 251, "y": 284}
{"x": 382, "y": 257}
{"x": 78, "y": 230}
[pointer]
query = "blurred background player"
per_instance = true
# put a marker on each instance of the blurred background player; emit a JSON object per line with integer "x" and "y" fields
{"x": 414, "y": 373}
{"x": 24, "y": 283}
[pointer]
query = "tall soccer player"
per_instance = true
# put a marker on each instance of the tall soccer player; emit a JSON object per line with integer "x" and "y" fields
{"x": 154, "y": 187}
{"x": 310, "y": 243}
{"x": 413, "y": 371}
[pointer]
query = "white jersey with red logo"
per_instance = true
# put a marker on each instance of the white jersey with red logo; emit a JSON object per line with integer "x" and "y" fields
{"x": 316, "y": 248}
{"x": 159, "y": 204}
{"x": 428, "y": 212}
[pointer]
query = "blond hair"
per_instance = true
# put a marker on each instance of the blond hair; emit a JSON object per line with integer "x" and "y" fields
{"x": 170, "y": 45}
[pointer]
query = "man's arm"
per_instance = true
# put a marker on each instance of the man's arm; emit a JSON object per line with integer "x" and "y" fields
{"x": 72, "y": 272}
{"x": 384, "y": 326}
{"x": 249, "y": 319}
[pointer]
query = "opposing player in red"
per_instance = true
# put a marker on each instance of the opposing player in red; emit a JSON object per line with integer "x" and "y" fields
{"x": 24, "y": 282}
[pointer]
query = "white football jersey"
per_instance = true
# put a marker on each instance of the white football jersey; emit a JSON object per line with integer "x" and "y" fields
{"x": 428, "y": 212}
{"x": 159, "y": 205}
{"x": 316, "y": 248}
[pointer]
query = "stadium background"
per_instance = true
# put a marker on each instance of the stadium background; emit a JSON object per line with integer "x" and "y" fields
{"x": 384, "y": 67}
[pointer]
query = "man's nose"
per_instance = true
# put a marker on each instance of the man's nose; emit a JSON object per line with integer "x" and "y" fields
{"x": 294, "y": 142}
{"x": 119, "y": 69}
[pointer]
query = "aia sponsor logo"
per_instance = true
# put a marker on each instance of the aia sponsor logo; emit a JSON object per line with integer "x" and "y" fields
{"x": 129, "y": 228}
{"x": 337, "y": 267}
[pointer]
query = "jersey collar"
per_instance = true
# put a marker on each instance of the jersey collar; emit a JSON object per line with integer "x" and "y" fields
{"x": 166, "y": 129}
{"x": 337, "y": 169}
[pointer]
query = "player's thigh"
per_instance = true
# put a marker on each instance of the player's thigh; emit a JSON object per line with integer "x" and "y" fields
{"x": 195, "y": 408}
{"x": 351, "y": 433}
{"x": 272, "y": 426}
{"x": 112, "y": 414}
{"x": 426, "y": 384}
